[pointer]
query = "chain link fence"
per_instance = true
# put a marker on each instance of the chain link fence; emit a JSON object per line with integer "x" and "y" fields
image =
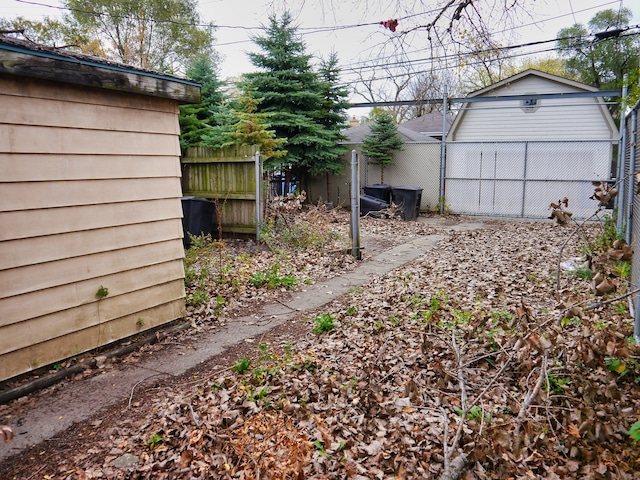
{"x": 521, "y": 179}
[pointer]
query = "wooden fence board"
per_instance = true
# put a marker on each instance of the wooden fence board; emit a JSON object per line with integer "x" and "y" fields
{"x": 228, "y": 177}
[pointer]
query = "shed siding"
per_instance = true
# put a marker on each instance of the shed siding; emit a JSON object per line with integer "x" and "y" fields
{"x": 556, "y": 119}
{"x": 90, "y": 197}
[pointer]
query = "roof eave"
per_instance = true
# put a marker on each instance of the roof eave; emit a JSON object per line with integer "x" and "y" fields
{"x": 16, "y": 60}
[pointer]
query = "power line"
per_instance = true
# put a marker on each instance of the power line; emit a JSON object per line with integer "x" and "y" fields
{"x": 458, "y": 56}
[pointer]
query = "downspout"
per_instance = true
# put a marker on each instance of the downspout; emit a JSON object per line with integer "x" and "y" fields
{"x": 443, "y": 149}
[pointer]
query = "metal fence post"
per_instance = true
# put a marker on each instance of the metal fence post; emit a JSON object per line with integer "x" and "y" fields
{"x": 443, "y": 149}
{"x": 355, "y": 205}
{"x": 619, "y": 202}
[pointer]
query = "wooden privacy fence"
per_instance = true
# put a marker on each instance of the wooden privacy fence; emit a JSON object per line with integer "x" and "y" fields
{"x": 227, "y": 176}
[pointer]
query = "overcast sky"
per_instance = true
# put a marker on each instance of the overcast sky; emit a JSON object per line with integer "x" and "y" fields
{"x": 354, "y": 33}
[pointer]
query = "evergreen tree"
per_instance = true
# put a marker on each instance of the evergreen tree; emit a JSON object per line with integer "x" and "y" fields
{"x": 332, "y": 115}
{"x": 290, "y": 90}
{"x": 383, "y": 140}
{"x": 197, "y": 119}
{"x": 245, "y": 126}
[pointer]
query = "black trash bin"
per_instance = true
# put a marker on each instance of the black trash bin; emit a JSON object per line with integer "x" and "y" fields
{"x": 379, "y": 190}
{"x": 369, "y": 203}
{"x": 197, "y": 217}
{"x": 408, "y": 199}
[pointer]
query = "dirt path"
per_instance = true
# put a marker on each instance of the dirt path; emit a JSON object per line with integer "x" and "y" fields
{"x": 37, "y": 419}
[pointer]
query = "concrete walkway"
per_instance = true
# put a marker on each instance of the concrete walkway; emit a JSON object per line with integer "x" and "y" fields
{"x": 81, "y": 400}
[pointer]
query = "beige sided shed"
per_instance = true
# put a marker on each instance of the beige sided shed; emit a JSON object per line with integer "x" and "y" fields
{"x": 89, "y": 202}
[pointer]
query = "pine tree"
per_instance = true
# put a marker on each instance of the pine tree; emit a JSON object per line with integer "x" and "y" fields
{"x": 332, "y": 115}
{"x": 196, "y": 119}
{"x": 290, "y": 90}
{"x": 383, "y": 140}
{"x": 245, "y": 126}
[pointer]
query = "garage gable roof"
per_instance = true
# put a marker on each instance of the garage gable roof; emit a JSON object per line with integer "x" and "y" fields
{"x": 578, "y": 86}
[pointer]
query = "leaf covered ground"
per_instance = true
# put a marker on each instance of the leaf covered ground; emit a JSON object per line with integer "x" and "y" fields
{"x": 475, "y": 361}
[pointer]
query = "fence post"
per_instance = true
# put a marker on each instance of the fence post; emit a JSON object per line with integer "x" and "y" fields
{"x": 258, "y": 196}
{"x": 355, "y": 206}
{"x": 443, "y": 149}
{"x": 619, "y": 201}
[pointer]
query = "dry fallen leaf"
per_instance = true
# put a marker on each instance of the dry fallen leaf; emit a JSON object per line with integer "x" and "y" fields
{"x": 6, "y": 432}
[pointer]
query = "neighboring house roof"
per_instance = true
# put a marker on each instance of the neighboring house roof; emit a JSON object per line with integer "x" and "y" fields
{"x": 563, "y": 85}
{"x": 429, "y": 124}
{"x": 29, "y": 59}
{"x": 356, "y": 135}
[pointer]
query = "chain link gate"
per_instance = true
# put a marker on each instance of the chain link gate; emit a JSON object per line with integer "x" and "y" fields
{"x": 521, "y": 179}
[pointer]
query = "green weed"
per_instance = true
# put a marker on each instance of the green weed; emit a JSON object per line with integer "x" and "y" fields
{"x": 555, "y": 384}
{"x": 620, "y": 308}
{"x": 154, "y": 441}
{"x": 634, "y": 432}
{"x": 474, "y": 413}
{"x": 271, "y": 279}
{"x": 351, "y": 311}
{"x": 242, "y": 365}
{"x": 102, "y": 292}
{"x": 324, "y": 323}
{"x": 584, "y": 273}
{"x": 198, "y": 297}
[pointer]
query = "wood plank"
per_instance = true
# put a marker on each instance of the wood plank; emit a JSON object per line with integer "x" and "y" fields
{"x": 27, "y": 359}
{"x": 35, "y": 140}
{"x": 36, "y": 88}
{"x": 22, "y": 280}
{"x": 234, "y": 151}
{"x": 32, "y": 251}
{"x": 26, "y": 168}
{"x": 54, "y": 113}
{"x": 50, "y": 300}
{"x": 222, "y": 196}
{"x": 32, "y": 195}
{"x": 50, "y": 221}
{"x": 81, "y": 72}
{"x": 222, "y": 160}
{"x": 37, "y": 330}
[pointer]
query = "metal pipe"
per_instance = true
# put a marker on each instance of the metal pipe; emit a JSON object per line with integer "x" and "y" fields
{"x": 355, "y": 206}
{"x": 632, "y": 168}
{"x": 524, "y": 177}
{"x": 443, "y": 150}
{"x": 258, "y": 197}
{"x": 619, "y": 201}
{"x": 632, "y": 155}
